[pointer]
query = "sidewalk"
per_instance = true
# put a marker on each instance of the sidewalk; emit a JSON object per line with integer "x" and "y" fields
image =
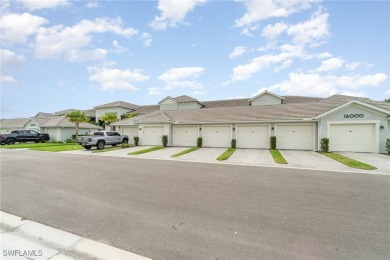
{"x": 25, "y": 239}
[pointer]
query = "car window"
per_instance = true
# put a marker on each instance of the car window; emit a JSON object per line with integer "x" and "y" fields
{"x": 99, "y": 133}
{"x": 32, "y": 133}
{"x": 23, "y": 132}
{"x": 116, "y": 134}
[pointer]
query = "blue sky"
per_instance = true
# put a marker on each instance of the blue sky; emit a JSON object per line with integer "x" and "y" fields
{"x": 63, "y": 54}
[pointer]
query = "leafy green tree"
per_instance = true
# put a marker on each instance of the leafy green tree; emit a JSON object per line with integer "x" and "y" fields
{"x": 109, "y": 118}
{"x": 387, "y": 100}
{"x": 77, "y": 117}
{"x": 129, "y": 115}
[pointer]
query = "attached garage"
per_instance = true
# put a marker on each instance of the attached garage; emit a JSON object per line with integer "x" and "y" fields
{"x": 217, "y": 136}
{"x": 185, "y": 135}
{"x": 357, "y": 137}
{"x": 253, "y": 136}
{"x": 295, "y": 137}
{"x": 130, "y": 132}
{"x": 53, "y": 133}
{"x": 152, "y": 135}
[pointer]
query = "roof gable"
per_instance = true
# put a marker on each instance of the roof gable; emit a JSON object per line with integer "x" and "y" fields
{"x": 266, "y": 98}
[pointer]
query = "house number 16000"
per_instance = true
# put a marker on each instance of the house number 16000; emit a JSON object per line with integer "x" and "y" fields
{"x": 353, "y": 115}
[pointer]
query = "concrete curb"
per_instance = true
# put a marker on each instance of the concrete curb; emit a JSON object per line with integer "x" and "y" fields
{"x": 32, "y": 239}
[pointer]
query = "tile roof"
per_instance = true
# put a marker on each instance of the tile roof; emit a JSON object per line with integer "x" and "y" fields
{"x": 119, "y": 104}
{"x": 12, "y": 123}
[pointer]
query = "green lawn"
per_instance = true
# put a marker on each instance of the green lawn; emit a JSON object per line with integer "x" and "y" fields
{"x": 348, "y": 161}
{"x": 58, "y": 148}
{"x": 278, "y": 157}
{"x": 31, "y": 145}
{"x": 185, "y": 151}
{"x": 147, "y": 150}
{"x": 225, "y": 155}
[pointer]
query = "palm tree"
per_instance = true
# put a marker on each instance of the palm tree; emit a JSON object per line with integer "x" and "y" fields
{"x": 387, "y": 100}
{"x": 109, "y": 118}
{"x": 77, "y": 117}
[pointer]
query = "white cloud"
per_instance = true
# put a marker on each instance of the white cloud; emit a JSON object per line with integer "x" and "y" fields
{"x": 331, "y": 64}
{"x": 324, "y": 55}
{"x": 273, "y": 31}
{"x": 313, "y": 31}
{"x": 387, "y": 92}
{"x": 10, "y": 60}
{"x": 118, "y": 47}
{"x": 198, "y": 92}
{"x": 8, "y": 80}
{"x": 184, "y": 77}
{"x": 42, "y": 4}
{"x": 114, "y": 79}
{"x": 92, "y": 5}
{"x": 68, "y": 42}
{"x": 354, "y": 94}
{"x": 153, "y": 91}
{"x": 173, "y": 12}
{"x": 313, "y": 84}
{"x": 237, "y": 52}
{"x": 257, "y": 11}
{"x": 16, "y": 28}
{"x": 147, "y": 38}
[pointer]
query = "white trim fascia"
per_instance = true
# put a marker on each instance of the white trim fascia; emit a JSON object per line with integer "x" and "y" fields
{"x": 266, "y": 92}
{"x": 375, "y": 108}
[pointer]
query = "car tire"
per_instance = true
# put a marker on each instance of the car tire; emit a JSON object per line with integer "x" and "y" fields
{"x": 43, "y": 140}
{"x": 100, "y": 145}
{"x": 125, "y": 141}
{"x": 87, "y": 147}
{"x": 10, "y": 141}
{"x": 113, "y": 145}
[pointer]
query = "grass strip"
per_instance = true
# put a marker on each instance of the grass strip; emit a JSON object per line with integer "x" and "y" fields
{"x": 348, "y": 161}
{"x": 147, "y": 150}
{"x": 185, "y": 151}
{"x": 226, "y": 154}
{"x": 278, "y": 157}
{"x": 31, "y": 145}
{"x": 58, "y": 148}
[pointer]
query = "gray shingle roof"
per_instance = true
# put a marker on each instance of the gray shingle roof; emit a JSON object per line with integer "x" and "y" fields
{"x": 119, "y": 104}
{"x": 44, "y": 114}
{"x": 62, "y": 121}
{"x": 147, "y": 109}
{"x": 12, "y": 123}
{"x": 63, "y": 112}
{"x": 184, "y": 98}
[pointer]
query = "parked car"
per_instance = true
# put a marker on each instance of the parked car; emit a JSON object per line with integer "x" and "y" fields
{"x": 102, "y": 138}
{"x": 23, "y": 136}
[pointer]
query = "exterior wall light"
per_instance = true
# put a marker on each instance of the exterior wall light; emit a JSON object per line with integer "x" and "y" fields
{"x": 234, "y": 128}
{"x": 140, "y": 129}
{"x": 200, "y": 128}
{"x": 272, "y": 128}
{"x": 381, "y": 127}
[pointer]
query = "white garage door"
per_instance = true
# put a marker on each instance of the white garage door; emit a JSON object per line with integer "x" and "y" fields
{"x": 52, "y": 133}
{"x": 253, "y": 136}
{"x": 217, "y": 136}
{"x": 294, "y": 137}
{"x": 152, "y": 135}
{"x": 130, "y": 132}
{"x": 185, "y": 135}
{"x": 352, "y": 138}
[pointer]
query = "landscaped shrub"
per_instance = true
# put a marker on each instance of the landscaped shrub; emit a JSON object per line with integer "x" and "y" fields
{"x": 199, "y": 142}
{"x": 68, "y": 141}
{"x": 324, "y": 145}
{"x": 273, "y": 142}
{"x": 164, "y": 140}
{"x": 125, "y": 145}
{"x": 233, "y": 143}
{"x": 388, "y": 145}
{"x": 136, "y": 140}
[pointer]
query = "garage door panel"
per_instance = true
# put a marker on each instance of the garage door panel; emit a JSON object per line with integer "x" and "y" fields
{"x": 217, "y": 136}
{"x": 294, "y": 137}
{"x": 352, "y": 137}
{"x": 152, "y": 135}
{"x": 131, "y": 132}
{"x": 185, "y": 135}
{"x": 253, "y": 136}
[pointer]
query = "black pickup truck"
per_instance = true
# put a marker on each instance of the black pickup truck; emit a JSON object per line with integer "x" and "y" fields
{"x": 23, "y": 136}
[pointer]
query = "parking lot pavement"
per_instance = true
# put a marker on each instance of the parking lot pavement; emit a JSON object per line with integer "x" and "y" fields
{"x": 161, "y": 154}
{"x": 310, "y": 159}
{"x": 380, "y": 161}
{"x": 203, "y": 154}
{"x": 251, "y": 156}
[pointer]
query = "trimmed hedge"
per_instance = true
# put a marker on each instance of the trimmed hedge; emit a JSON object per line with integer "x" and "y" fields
{"x": 136, "y": 140}
{"x": 164, "y": 140}
{"x": 273, "y": 142}
{"x": 199, "y": 143}
{"x": 324, "y": 145}
{"x": 388, "y": 145}
{"x": 233, "y": 143}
